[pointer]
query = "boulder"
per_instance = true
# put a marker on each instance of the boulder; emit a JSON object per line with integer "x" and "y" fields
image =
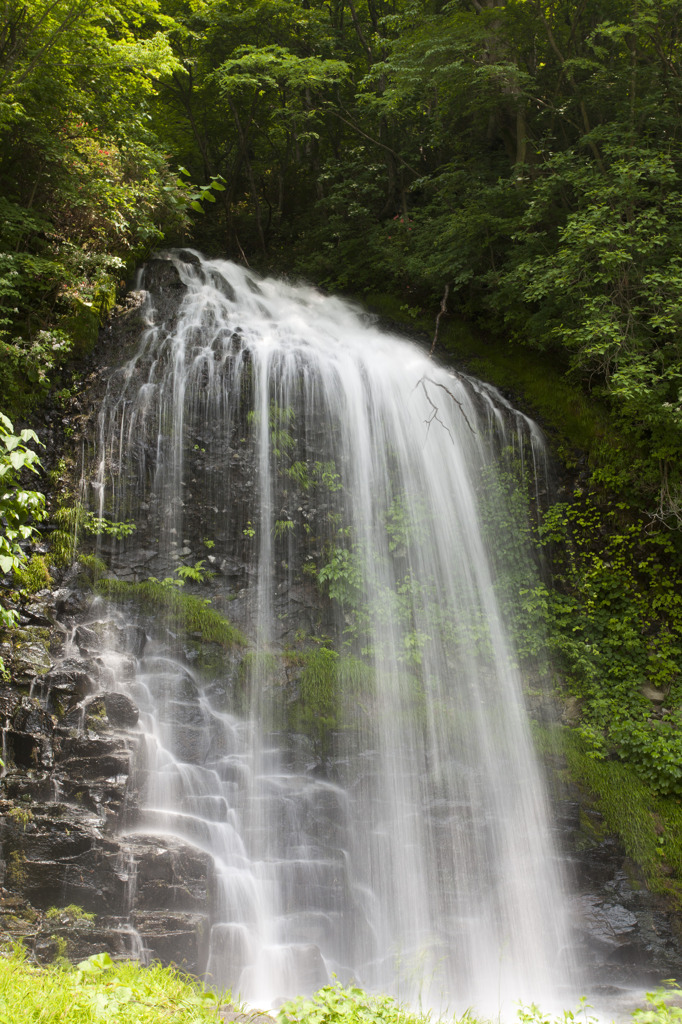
{"x": 122, "y": 712}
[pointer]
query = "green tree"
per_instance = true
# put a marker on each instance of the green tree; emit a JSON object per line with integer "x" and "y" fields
{"x": 20, "y": 509}
{"x": 84, "y": 187}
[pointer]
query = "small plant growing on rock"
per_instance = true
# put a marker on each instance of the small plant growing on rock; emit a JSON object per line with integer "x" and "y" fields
{"x": 19, "y": 508}
{"x": 195, "y": 572}
{"x": 70, "y": 914}
{"x": 16, "y": 868}
{"x": 21, "y": 815}
{"x": 74, "y": 520}
{"x": 60, "y": 947}
{"x": 34, "y": 575}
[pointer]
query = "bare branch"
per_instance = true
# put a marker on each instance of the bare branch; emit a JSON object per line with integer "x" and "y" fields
{"x": 436, "y": 412}
{"x": 443, "y": 308}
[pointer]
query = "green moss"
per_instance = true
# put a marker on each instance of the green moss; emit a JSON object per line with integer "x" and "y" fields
{"x": 17, "y": 874}
{"x": 34, "y": 575}
{"x": 319, "y": 683}
{"x": 329, "y": 688}
{"x": 188, "y": 613}
{"x": 61, "y": 947}
{"x": 91, "y": 568}
{"x": 82, "y": 325}
{"x": 21, "y": 815}
{"x": 649, "y": 826}
{"x": 72, "y": 911}
{"x": 354, "y": 677}
{"x": 577, "y": 420}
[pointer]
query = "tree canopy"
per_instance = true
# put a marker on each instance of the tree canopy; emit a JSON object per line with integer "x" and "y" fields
{"x": 525, "y": 154}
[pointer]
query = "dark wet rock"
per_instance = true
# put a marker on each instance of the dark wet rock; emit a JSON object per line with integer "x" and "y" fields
{"x": 121, "y": 711}
{"x": 104, "y": 766}
{"x": 41, "y": 610}
{"x": 92, "y": 746}
{"x": 29, "y": 655}
{"x": 28, "y": 735}
{"x": 26, "y": 751}
{"x": 131, "y": 639}
{"x": 66, "y": 683}
{"x": 72, "y": 602}
{"x": 99, "y": 636}
{"x": 189, "y": 257}
{"x": 9, "y": 702}
{"x": 624, "y": 927}
{"x": 162, "y": 276}
{"x": 173, "y": 937}
{"x": 26, "y": 783}
{"x": 70, "y": 861}
{"x": 30, "y": 717}
{"x": 606, "y": 924}
{"x": 88, "y": 640}
{"x": 169, "y": 874}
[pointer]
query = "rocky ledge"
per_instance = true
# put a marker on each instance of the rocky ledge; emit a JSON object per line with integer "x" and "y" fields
{"x": 75, "y": 878}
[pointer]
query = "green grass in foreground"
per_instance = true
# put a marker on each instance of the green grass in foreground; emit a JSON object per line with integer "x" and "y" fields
{"x": 98, "y": 991}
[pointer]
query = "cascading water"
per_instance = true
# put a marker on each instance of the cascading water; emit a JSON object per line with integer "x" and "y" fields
{"x": 362, "y": 777}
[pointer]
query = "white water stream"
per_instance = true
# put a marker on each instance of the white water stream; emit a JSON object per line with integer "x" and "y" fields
{"x": 405, "y": 842}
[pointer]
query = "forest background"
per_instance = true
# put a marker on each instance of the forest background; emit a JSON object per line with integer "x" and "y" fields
{"x": 515, "y": 165}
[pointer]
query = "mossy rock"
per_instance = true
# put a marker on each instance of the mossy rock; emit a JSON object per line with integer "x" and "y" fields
{"x": 330, "y": 689}
{"x": 82, "y": 325}
{"x": 26, "y": 652}
{"x": 185, "y": 612}
{"x": 648, "y": 825}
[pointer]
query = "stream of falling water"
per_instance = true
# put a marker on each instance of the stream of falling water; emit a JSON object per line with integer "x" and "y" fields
{"x": 381, "y": 817}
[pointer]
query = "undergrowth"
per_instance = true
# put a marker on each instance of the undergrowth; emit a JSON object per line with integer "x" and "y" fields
{"x": 99, "y": 990}
{"x": 190, "y": 613}
{"x": 334, "y": 1004}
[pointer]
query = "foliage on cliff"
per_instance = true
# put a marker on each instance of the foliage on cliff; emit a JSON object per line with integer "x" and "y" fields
{"x": 523, "y": 154}
{"x": 85, "y": 189}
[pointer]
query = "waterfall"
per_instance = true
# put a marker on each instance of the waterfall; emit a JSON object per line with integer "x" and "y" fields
{"x": 361, "y": 774}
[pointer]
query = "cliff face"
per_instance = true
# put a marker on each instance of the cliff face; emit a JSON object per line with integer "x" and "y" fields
{"x": 72, "y": 884}
{"x": 78, "y": 873}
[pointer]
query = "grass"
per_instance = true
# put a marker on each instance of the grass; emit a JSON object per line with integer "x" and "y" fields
{"x": 649, "y": 826}
{"x": 191, "y": 614}
{"x": 336, "y": 1005}
{"x": 98, "y": 991}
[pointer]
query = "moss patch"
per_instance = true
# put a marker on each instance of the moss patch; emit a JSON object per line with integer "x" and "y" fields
{"x": 188, "y": 613}
{"x": 82, "y": 325}
{"x": 34, "y": 575}
{"x": 649, "y": 826}
{"x": 329, "y": 688}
